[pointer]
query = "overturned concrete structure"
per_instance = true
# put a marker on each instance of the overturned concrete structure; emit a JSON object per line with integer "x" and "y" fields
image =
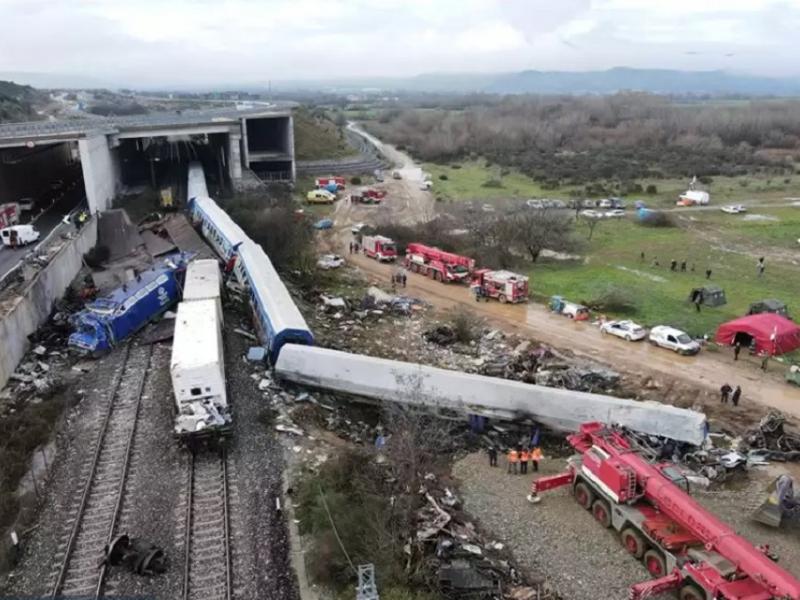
{"x": 464, "y": 393}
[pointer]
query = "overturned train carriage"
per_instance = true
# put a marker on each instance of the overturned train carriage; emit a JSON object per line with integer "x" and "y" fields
{"x": 277, "y": 318}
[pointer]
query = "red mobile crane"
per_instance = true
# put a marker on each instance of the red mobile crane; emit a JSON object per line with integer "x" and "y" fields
{"x": 438, "y": 264}
{"x": 683, "y": 546}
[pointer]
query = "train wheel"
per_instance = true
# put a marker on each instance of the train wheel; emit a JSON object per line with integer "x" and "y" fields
{"x": 633, "y": 542}
{"x": 656, "y": 566}
{"x": 601, "y": 512}
{"x": 584, "y": 495}
{"x": 691, "y": 592}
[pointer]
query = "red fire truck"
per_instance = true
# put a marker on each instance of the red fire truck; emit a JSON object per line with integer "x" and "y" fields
{"x": 9, "y": 214}
{"x": 438, "y": 264}
{"x": 379, "y": 247}
{"x": 324, "y": 182}
{"x": 368, "y": 196}
{"x": 505, "y": 286}
{"x": 682, "y": 545}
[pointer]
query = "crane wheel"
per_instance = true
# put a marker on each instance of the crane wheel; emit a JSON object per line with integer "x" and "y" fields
{"x": 657, "y": 567}
{"x": 601, "y": 512}
{"x": 691, "y": 592}
{"x": 584, "y": 495}
{"x": 633, "y": 541}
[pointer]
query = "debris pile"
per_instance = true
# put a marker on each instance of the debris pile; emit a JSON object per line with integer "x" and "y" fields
{"x": 771, "y": 437}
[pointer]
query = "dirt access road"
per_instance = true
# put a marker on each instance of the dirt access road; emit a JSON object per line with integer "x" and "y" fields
{"x": 711, "y": 370}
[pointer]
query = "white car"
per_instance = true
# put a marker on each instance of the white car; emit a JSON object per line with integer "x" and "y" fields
{"x": 673, "y": 339}
{"x": 356, "y": 229}
{"x": 592, "y": 214}
{"x": 617, "y": 213}
{"x": 606, "y": 203}
{"x": 627, "y": 330}
{"x": 330, "y": 261}
{"x": 734, "y": 209}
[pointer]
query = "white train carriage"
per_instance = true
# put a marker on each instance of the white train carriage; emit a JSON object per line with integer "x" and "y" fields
{"x": 215, "y": 224}
{"x": 196, "y": 183}
{"x": 203, "y": 282}
{"x": 277, "y": 318}
{"x": 197, "y": 369}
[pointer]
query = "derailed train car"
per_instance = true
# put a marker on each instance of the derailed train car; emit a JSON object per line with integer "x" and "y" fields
{"x": 197, "y": 366}
{"x": 276, "y": 316}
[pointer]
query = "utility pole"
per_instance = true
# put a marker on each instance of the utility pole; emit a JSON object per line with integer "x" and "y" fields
{"x": 366, "y": 590}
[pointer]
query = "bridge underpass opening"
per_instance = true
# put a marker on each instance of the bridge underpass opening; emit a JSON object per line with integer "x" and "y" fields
{"x": 46, "y": 177}
{"x": 162, "y": 162}
{"x": 269, "y": 147}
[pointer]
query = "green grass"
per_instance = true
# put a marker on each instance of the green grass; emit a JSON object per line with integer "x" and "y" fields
{"x": 613, "y": 259}
{"x": 468, "y": 183}
{"x": 723, "y": 190}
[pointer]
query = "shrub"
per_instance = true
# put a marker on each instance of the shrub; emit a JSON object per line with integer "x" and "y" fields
{"x": 443, "y": 177}
{"x": 614, "y": 299}
{"x": 657, "y": 219}
{"x": 465, "y": 325}
{"x": 355, "y": 180}
{"x": 455, "y": 166}
{"x": 651, "y": 189}
{"x": 492, "y": 183}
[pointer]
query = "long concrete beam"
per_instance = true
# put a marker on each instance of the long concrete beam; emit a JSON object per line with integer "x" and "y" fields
{"x": 411, "y": 383}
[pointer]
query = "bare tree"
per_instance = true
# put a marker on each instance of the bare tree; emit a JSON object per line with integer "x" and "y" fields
{"x": 591, "y": 223}
{"x": 537, "y": 230}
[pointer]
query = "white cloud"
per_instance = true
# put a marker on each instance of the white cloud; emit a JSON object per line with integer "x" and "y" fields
{"x": 152, "y": 42}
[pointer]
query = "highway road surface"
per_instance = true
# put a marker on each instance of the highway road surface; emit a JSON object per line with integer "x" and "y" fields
{"x": 64, "y": 202}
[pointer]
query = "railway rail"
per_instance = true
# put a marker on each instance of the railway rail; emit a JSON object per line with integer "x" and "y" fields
{"x": 208, "y": 573}
{"x": 81, "y": 572}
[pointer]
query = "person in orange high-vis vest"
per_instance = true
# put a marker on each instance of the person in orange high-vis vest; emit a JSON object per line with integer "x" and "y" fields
{"x": 524, "y": 457}
{"x": 513, "y": 459}
{"x": 536, "y": 456}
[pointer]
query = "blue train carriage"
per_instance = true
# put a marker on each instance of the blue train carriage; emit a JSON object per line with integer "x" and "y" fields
{"x": 277, "y": 318}
{"x": 107, "y": 321}
{"x": 217, "y": 228}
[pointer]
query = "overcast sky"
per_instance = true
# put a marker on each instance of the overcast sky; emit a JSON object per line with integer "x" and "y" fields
{"x": 202, "y": 42}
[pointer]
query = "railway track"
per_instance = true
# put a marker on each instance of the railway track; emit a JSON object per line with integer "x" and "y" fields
{"x": 207, "y": 569}
{"x": 105, "y": 473}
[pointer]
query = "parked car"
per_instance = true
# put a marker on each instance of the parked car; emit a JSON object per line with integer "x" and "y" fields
{"x": 592, "y": 214}
{"x": 320, "y": 197}
{"x": 627, "y": 330}
{"x": 617, "y": 213}
{"x": 734, "y": 209}
{"x": 673, "y": 339}
{"x": 606, "y": 203}
{"x": 330, "y": 261}
{"x": 26, "y": 204}
{"x": 534, "y": 203}
{"x": 323, "y": 224}
{"x": 356, "y": 229}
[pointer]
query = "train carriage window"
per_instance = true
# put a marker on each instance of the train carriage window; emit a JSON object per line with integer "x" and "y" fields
{"x": 197, "y": 391}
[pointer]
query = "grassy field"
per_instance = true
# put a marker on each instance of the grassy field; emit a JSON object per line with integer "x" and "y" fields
{"x": 468, "y": 182}
{"x": 728, "y": 245}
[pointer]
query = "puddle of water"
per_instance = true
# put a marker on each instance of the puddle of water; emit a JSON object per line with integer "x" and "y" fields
{"x": 760, "y": 218}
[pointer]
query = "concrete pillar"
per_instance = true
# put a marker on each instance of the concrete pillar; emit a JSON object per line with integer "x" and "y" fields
{"x": 245, "y": 148}
{"x": 290, "y": 136}
{"x": 101, "y": 171}
{"x": 234, "y": 156}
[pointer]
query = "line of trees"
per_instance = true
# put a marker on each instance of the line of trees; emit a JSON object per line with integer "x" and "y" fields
{"x": 577, "y": 140}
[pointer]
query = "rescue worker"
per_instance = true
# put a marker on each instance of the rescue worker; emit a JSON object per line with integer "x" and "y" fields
{"x": 724, "y": 393}
{"x": 513, "y": 459}
{"x": 524, "y": 457}
{"x": 82, "y": 217}
{"x": 492, "y": 456}
{"x": 536, "y": 456}
{"x": 737, "y": 393}
{"x": 736, "y": 349}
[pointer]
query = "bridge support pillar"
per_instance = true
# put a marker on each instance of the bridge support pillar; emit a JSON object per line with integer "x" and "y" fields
{"x": 234, "y": 156}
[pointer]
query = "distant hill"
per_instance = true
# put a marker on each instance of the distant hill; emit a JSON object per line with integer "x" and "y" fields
{"x": 16, "y": 102}
{"x": 657, "y": 81}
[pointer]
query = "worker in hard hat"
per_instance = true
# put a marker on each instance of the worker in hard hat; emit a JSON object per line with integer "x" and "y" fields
{"x": 524, "y": 457}
{"x": 512, "y": 458}
{"x": 536, "y": 456}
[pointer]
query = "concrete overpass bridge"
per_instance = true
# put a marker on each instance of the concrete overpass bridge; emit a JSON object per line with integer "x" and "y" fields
{"x": 117, "y": 151}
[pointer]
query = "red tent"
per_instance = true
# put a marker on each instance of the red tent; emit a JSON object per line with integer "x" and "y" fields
{"x": 773, "y": 334}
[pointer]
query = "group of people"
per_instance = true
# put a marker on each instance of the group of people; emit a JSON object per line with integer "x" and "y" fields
{"x": 727, "y": 393}
{"x": 354, "y": 247}
{"x": 399, "y": 278}
{"x": 517, "y": 459}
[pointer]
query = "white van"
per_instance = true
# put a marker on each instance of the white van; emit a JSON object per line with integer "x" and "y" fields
{"x": 19, "y": 235}
{"x": 673, "y": 339}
